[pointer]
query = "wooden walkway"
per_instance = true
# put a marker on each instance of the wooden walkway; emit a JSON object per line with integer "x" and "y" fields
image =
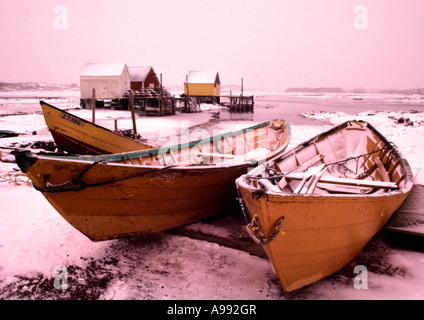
{"x": 238, "y": 104}
{"x": 235, "y": 104}
{"x": 159, "y": 102}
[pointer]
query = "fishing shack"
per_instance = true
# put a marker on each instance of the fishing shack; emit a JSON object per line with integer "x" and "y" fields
{"x": 143, "y": 77}
{"x": 105, "y": 83}
{"x": 203, "y": 85}
{"x": 116, "y": 86}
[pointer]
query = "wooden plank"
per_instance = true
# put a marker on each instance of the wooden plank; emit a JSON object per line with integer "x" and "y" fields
{"x": 301, "y": 167}
{"x": 308, "y": 184}
{"x": 338, "y": 188}
{"x": 315, "y": 182}
{"x": 311, "y": 176}
{"x": 382, "y": 170}
{"x": 134, "y": 123}
{"x": 347, "y": 181}
{"x": 217, "y": 155}
{"x": 300, "y": 186}
{"x": 93, "y": 106}
{"x": 309, "y": 163}
{"x": 268, "y": 186}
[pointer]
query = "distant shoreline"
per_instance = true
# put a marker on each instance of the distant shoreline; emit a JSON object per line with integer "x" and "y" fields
{"x": 358, "y": 91}
{"x": 41, "y": 87}
{"x": 34, "y": 86}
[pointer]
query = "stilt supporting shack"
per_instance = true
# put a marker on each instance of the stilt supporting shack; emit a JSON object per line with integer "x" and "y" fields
{"x": 238, "y": 104}
{"x": 131, "y": 100}
{"x": 93, "y": 106}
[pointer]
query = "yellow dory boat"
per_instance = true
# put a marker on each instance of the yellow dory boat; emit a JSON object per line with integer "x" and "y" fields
{"x": 314, "y": 208}
{"x": 118, "y": 195}
{"x": 79, "y": 136}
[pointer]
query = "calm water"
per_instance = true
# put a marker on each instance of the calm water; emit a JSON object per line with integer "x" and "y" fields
{"x": 11, "y": 105}
{"x": 266, "y": 106}
{"x": 291, "y": 108}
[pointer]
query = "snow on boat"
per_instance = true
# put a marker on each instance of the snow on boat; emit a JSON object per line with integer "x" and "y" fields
{"x": 78, "y": 136}
{"x": 125, "y": 194}
{"x": 314, "y": 208}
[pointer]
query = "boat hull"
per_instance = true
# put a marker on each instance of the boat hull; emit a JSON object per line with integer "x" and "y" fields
{"x": 147, "y": 203}
{"x": 321, "y": 235}
{"x": 78, "y": 136}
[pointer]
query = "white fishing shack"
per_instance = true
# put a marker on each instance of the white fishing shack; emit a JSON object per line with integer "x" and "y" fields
{"x": 109, "y": 80}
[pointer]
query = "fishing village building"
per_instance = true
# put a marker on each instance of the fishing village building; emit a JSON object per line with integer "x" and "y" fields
{"x": 205, "y": 85}
{"x": 117, "y": 86}
{"x": 114, "y": 85}
{"x": 109, "y": 80}
{"x": 143, "y": 77}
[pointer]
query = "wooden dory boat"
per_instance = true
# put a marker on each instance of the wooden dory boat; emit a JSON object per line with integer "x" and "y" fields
{"x": 329, "y": 196}
{"x": 112, "y": 196}
{"x": 78, "y": 136}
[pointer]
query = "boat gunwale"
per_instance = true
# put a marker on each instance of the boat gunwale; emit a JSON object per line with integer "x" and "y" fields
{"x": 164, "y": 149}
{"x": 274, "y": 195}
{"x": 175, "y": 166}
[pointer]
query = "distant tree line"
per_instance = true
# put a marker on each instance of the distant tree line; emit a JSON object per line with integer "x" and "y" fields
{"x": 359, "y": 90}
{"x": 316, "y": 90}
{"x": 15, "y": 86}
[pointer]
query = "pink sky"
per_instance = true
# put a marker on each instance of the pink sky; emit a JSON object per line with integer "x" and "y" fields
{"x": 272, "y": 44}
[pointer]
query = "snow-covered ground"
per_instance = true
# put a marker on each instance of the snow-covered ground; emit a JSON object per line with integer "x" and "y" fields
{"x": 39, "y": 249}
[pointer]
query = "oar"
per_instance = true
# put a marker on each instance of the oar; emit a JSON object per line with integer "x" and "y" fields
{"x": 315, "y": 182}
{"x": 307, "y": 179}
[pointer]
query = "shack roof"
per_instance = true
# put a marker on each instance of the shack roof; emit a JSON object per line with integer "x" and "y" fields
{"x": 139, "y": 73}
{"x": 199, "y": 76}
{"x": 103, "y": 69}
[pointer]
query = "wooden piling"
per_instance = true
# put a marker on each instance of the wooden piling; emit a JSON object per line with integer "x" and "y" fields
{"x": 131, "y": 101}
{"x": 93, "y": 106}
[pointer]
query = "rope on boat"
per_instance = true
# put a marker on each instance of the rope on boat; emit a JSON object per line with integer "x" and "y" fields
{"x": 241, "y": 203}
{"x": 254, "y": 230}
{"x": 16, "y": 177}
{"x": 81, "y": 184}
{"x": 340, "y": 165}
{"x": 281, "y": 126}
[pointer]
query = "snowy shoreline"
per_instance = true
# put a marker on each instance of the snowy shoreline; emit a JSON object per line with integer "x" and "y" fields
{"x": 35, "y": 240}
